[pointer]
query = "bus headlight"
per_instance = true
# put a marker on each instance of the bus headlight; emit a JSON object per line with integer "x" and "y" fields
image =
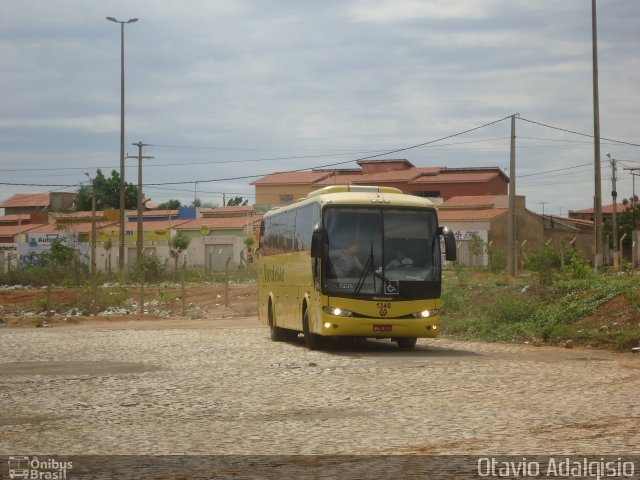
{"x": 426, "y": 313}
{"x": 338, "y": 312}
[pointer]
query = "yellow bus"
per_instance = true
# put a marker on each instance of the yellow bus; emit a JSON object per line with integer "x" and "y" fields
{"x": 352, "y": 261}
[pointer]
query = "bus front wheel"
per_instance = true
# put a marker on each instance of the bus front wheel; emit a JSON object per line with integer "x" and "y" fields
{"x": 407, "y": 343}
{"x": 277, "y": 333}
{"x": 312, "y": 340}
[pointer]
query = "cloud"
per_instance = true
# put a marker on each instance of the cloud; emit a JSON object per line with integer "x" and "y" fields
{"x": 389, "y": 11}
{"x": 257, "y": 80}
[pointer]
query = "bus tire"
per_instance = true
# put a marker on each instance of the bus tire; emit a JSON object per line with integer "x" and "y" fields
{"x": 277, "y": 333}
{"x": 312, "y": 340}
{"x": 407, "y": 343}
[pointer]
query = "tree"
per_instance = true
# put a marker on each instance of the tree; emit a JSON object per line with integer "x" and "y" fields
{"x": 476, "y": 246}
{"x": 200, "y": 204}
{"x": 107, "y": 248}
{"x": 170, "y": 205}
{"x": 180, "y": 242}
{"x": 249, "y": 242}
{"x": 107, "y": 193}
{"x": 237, "y": 202}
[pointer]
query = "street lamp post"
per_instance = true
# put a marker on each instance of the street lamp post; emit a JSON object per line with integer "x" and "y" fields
{"x": 93, "y": 224}
{"x": 122, "y": 198}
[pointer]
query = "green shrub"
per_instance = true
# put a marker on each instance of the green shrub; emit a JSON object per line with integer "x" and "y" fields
{"x": 511, "y": 309}
{"x": 497, "y": 261}
{"x": 575, "y": 266}
{"x": 452, "y": 299}
{"x": 460, "y": 270}
{"x": 149, "y": 266}
{"x": 544, "y": 263}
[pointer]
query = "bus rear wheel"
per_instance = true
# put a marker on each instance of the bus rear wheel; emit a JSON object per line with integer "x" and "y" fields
{"x": 277, "y": 333}
{"x": 312, "y": 340}
{"x": 407, "y": 343}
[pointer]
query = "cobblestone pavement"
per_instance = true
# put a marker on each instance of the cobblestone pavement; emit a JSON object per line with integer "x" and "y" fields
{"x": 222, "y": 389}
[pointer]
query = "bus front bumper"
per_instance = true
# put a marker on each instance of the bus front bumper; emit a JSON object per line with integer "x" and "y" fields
{"x": 334, "y": 326}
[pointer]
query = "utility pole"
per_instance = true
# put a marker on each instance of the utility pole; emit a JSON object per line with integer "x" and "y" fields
{"x": 543, "y": 222}
{"x": 139, "y": 241}
{"x": 633, "y": 213}
{"x": 93, "y": 225}
{"x": 511, "y": 227}
{"x": 614, "y": 212}
{"x": 596, "y": 140}
{"x": 633, "y": 195}
{"x": 543, "y": 204}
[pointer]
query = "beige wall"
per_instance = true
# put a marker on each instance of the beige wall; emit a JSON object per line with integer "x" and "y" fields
{"x": 270, "y": 195}
{"x": 561, "y": 238}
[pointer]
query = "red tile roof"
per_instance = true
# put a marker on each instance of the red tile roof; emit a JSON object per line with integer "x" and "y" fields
{"x": 342, "y": 179}
{"x": 157, "y": 224}
{"x": 158, "y": 213}
{"x": 413, "y": 175}
{"x": 75, "y": 227}
{"x": 27, "y": 200}
{"x": 455, "y": 177}
{"x": 16, "y": 218}
{"x": 78, "y": 215}
{"x": 304, "y": 177}
{"x": 606, "y": 209}
{"x": 219, "y": 222}
{"x": 577, "y": 221}
{"x": 228, "y": 210}
{"x": 12, "y": 230}
{"x": 391, "y": 176}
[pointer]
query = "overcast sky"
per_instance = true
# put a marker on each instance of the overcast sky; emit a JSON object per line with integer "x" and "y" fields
{"x": 226, "y": 89}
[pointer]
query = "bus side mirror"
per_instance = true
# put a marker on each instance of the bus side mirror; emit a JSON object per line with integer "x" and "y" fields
{"x": 318, "y": 241}
{"x": 449, "y": 243}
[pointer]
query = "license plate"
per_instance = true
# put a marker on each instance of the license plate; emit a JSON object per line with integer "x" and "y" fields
{"x": 382, "y": 328}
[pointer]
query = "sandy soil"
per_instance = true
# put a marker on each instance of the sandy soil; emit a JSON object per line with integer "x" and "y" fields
{"x": 23, "y": 307}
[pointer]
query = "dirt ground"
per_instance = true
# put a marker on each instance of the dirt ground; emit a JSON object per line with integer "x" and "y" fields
{"x": 23, "y": 307}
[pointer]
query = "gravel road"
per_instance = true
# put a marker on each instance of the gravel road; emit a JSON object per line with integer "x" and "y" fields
{"x": 223, "y": 387}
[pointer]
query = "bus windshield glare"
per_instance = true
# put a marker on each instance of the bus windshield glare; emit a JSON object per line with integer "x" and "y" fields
{"x": 381, "y": 251}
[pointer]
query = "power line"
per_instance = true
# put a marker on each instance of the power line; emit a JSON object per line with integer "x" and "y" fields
{"x": 251, "y": 160}
{"x": 577, "y": 133}
{"x": 555, "y": 170}
{"x": 349, "y": 161}
{"x": 244, "y": 177}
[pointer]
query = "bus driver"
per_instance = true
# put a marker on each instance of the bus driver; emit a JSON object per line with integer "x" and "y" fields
{"x": 401, "y": 260}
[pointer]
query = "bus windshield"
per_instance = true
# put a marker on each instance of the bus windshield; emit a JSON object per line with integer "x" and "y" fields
{"x": 381, "y": 251}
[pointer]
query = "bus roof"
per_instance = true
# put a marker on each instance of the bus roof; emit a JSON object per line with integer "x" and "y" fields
{"x": 358, "y": 195}
{"x": 353, "y": 188}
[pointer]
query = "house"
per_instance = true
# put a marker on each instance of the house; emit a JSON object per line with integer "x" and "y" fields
{"x": 283, "y": 188}
{"x": 11, "y": 237}
{"x": 182, "y": 213}
{"x": 215, "y": 240}
{"x": 228, "y": 211}
{"x": 607, "y": 212}
{"x": 38, "y": 202}
{"x": 487, "y": 217}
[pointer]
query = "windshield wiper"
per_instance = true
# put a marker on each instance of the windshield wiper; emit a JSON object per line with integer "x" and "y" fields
{"x": 368, "y": 266}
